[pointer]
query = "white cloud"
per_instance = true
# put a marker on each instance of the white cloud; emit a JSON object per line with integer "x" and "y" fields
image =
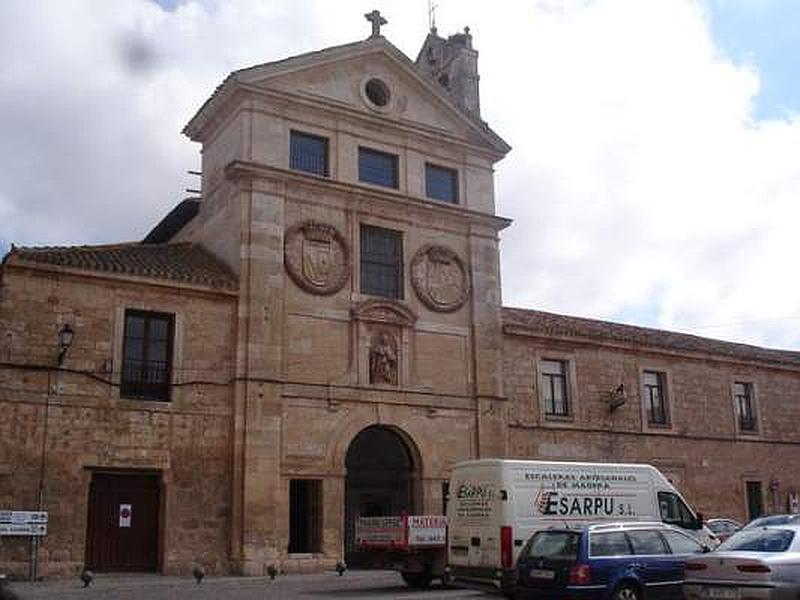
{"x": 640, "y": 183}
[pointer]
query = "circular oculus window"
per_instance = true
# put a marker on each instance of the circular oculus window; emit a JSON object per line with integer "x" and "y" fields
{"x": 377, "y": 92}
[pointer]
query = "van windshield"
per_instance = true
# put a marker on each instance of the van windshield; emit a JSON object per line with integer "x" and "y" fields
{"x": 561, "y": 545}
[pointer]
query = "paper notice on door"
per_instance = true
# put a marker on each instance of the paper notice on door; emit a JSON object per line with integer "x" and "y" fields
{"x": 125, "y": 515}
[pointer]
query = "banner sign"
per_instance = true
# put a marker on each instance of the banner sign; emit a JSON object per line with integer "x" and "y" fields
{"x": 427, "y": 530}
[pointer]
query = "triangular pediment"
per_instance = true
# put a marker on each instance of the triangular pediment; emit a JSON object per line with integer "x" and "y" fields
{"x": 338, "y": 76}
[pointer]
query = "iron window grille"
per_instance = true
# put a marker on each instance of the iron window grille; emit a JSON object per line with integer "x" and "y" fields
{"x": 554, "y": 388}
{"x": 308, "y": 153}
{"x": 745, "y": 407}
{"x": 441, "y": 183}
{"x": 147, "y": 355}
{"x": 655, "y": 398}
{"x": 379, "y": 168}
{"x": 381, "y": 262}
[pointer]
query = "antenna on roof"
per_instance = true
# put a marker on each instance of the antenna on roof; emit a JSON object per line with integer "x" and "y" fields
{"x": 193, "y": 191}
{"x": 432, "y": 6}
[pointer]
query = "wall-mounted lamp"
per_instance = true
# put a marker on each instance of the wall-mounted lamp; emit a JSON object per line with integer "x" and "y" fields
{"x": 64, "y": 342}
{"x": 617, "y": 398}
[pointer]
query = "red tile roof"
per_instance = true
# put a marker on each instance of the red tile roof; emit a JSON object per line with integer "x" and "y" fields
{"x": 184, "y": 262}
{"x": 553, "y": 325}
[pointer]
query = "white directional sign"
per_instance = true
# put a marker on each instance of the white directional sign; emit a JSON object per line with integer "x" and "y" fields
{"x": 23, "y": 516}
{"x": 37, "y": 529}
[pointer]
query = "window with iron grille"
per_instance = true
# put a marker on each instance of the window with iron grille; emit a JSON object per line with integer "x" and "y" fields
{"x": 745, "y": 406}
{"x": 381, "y": 262}
{"x": 147, "y": 355}
{"x": 553, "y": 374}
{"x": 441, "y": 183}
{"x": 379, "y": 168}
{"x": 308, "y": 153}
{"x": 655, "y": 398}
{"x": 305, "y": 515}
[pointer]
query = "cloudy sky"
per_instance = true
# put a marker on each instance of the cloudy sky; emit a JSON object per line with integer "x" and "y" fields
{"x": 655, "y": 175}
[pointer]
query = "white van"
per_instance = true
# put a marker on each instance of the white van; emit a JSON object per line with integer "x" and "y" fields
{"x": 495, "y": 505}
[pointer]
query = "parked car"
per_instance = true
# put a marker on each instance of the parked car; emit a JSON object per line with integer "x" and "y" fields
{"x": 723, "y": 528}
{"x": 619, "y": 561}
{"x": 762, "y": 563}
{"x": 773, "y": 520}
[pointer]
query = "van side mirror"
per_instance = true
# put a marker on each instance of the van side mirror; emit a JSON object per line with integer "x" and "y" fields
{"x": 699, "y": 520}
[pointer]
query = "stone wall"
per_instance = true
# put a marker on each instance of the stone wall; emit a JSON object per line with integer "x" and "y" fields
{"x": 703, "y": 451}
{"x": 89, "y": 427}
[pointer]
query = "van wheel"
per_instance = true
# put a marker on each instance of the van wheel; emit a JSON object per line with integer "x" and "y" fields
{"x": 416, "y": 580}
{"x": 626, "y": 591}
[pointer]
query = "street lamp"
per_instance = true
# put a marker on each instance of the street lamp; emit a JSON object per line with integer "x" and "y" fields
{"x": 64, "y": 342}
{"x": 65, "y": 336}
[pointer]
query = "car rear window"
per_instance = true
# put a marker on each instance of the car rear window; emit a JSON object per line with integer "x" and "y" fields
{"x": 554, "y": 544}
{"x": 609, "y": 544}
{"x": 759, "y": 540}
{"x": 682, "y": 544}
{"x": 647, "y": 542}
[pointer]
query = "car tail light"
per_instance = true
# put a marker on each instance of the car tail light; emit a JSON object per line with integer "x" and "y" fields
{"x": 692, "y": 566}
{"x": 580, "y": 574}
{"x": 753, "y": 568}
{"x": 505, "y": 547}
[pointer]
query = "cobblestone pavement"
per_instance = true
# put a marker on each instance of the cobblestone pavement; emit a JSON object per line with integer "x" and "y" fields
{"x": 354, "y": 585}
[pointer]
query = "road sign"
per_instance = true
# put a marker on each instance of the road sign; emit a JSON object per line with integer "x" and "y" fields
{"x": 37, "y": 529}
{"x": 23, "y": 516}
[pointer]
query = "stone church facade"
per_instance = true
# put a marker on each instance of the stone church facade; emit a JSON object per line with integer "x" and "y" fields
{"x": 321, "y": 335}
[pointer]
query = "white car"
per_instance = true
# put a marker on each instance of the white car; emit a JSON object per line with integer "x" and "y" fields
{"x": 762, "y": 563}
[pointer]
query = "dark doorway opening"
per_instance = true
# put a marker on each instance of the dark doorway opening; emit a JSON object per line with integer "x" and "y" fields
{"x": 123, "y": 522}
{"x": 382, "y": 479}
{"x": 305, "y": 515}
{"x": 755, "y": 499}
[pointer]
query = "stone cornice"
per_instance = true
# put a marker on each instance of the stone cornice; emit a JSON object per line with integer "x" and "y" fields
{"x": 586, "y": 341}
{"x": 23, "y": 265}
{"x": 241, "y": 170}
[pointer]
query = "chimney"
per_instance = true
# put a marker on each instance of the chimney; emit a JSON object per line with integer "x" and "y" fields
{"x": 453, "y": 63}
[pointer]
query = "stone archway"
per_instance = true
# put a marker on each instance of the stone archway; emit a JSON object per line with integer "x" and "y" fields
{"x": 383, "y": 478}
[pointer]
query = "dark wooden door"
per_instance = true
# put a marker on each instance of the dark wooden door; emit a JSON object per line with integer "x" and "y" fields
{"x": 123, "y": 522}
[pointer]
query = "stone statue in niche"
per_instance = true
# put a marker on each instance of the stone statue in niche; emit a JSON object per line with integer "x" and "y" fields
{"x": 383, "y": 359}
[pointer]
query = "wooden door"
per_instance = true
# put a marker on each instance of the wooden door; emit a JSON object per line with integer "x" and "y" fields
{"x": 123, "y": 522}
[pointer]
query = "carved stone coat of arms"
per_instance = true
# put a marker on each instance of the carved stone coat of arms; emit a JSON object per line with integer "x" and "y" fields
{"x": 439, "y": 278}
{"x": 316, "y": 257}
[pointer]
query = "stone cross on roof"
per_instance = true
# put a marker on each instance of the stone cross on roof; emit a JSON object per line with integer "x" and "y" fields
{"x": 377, "y": 20}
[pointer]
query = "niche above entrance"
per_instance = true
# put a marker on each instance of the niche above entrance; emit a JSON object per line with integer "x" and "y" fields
{"x": 382, "y": 342}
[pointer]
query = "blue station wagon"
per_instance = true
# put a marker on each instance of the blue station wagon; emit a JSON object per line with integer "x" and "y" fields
{"x": 619, "y": 561}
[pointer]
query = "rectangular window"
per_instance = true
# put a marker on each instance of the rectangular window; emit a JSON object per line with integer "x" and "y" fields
{"x": 554, "y": 387}
{"x": 305, "y": 515}
{"x": 441, "y": 183}
{"x": 755, "y": 499}
{"x": 655, "y": 398}
{"x": 308, "y": 153}
{"x": 381, "y": 262}
{"x": 745, "y": 406}
{"x": 147, "y": 355}
{"x": 377, "y": 167}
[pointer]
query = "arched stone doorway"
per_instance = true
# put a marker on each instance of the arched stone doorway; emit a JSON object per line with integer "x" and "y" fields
{"x": 383, "y": 472}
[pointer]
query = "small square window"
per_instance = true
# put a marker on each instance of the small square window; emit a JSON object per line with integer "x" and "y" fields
{"x": 379, "y": 168}
{"x": 381, "y": 262}
{"x": 554, "y": 390}
{"x": 745, "y": 407}
{"x": 441, "y": 183}
{"x": 308, "y": 153}
{"x": 655, "y": 398}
